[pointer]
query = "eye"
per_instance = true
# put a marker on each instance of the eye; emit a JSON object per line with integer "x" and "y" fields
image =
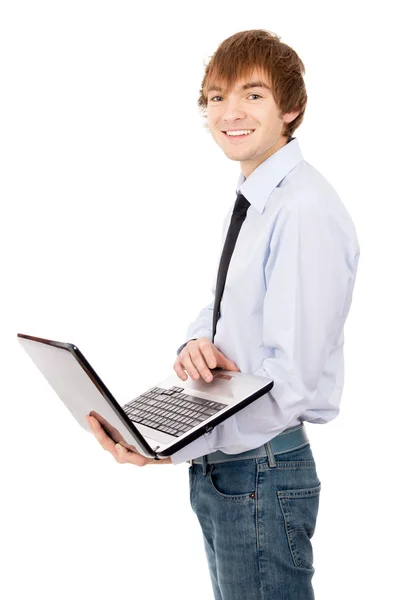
{"x": 214, "y": 99}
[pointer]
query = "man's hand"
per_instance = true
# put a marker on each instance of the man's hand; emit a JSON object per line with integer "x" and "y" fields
{"x": 119, "y": 452}
{"x": 198, "y": 357}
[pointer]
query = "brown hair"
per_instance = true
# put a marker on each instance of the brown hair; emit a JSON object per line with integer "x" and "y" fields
{"x": 240, "y": 54}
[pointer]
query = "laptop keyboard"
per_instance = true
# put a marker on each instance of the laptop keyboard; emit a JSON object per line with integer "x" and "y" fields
{"x": 170, "y": 410}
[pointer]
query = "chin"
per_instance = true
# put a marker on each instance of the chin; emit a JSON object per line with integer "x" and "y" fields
{"x": 233, "y": 156}
{"x": 237, "y": 156}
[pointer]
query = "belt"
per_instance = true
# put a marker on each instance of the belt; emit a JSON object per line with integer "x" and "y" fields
{"x": 290, "y": 439}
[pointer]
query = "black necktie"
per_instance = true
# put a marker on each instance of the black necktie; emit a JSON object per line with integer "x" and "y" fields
{"x": 237, "y": 218}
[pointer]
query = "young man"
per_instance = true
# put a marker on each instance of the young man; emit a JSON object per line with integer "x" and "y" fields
{"x": 253, "y": 481}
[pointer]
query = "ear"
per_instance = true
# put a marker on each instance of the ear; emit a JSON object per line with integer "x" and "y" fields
{"x": 289, "y": 117}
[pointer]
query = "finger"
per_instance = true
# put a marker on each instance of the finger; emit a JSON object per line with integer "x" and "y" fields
{"x": 200, "y": 363}
{"x": 106, "y": 442}
{"x": 112, "y": 432}
{"x": 187, "y": 364}
{"x": 121, "y": 456}
{"x": 179, "y": 370}
{"x": 209, "y": 355}
{"x": 134, "y": 458}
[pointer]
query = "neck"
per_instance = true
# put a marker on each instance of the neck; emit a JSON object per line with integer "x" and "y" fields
{"x": 247, "y": 167}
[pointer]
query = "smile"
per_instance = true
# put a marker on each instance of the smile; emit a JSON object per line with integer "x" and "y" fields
{"x": 238, "y": 134}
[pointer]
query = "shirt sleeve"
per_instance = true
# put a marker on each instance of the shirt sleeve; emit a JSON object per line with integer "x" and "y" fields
{"x": 309, "y": 277}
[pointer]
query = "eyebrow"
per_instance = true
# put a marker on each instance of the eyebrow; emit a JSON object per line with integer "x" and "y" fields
{"x": 245, "y": 86}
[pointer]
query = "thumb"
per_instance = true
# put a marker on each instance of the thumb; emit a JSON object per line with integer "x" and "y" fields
{"x": 226, "y": 363}
{"x": 231, "y": 366}
{"x": 121, "y": 450}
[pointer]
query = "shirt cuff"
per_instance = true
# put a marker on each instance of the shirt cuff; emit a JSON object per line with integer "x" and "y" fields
{"x": 183, "y": 345}
{"x": 198, "y": 334}
{"x": 196, "y": 448}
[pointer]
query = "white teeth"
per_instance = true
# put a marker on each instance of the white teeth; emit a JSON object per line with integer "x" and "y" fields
{"x": 243, "y": 132}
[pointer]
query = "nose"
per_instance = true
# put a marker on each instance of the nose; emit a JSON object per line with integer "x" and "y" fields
{"x": 232, "y": 111}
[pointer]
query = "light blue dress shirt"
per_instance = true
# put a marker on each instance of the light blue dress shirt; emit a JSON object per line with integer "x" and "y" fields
{"x": 286, "y": 298}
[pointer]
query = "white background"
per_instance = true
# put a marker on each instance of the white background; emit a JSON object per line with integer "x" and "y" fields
{"x": 112, "y": 200}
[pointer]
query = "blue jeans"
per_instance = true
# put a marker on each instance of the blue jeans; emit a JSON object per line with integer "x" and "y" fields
{"x": 257, "y": 522}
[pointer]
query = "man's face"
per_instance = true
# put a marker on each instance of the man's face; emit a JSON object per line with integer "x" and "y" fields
{"x": 249, "y": 106}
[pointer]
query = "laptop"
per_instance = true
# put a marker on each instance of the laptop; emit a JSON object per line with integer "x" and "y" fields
{"x": 163, "y": 419}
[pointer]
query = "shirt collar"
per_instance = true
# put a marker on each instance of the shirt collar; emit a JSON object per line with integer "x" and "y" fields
{"x": 260, "y": 184}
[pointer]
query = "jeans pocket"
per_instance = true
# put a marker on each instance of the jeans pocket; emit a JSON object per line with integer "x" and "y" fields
{"x": 300, "y": 510}
{"x": 234, "y": 480}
